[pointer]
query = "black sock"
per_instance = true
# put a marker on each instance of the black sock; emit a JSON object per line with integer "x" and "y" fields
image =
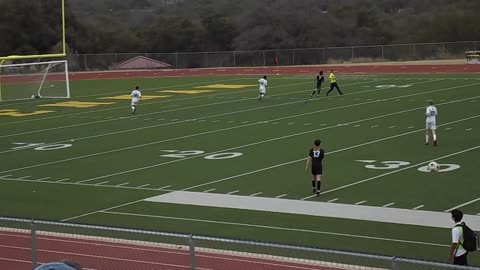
{"x": 318, "y": 186}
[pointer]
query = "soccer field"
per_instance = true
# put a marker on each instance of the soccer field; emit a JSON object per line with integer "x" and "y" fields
{"x": 88, "y": 160}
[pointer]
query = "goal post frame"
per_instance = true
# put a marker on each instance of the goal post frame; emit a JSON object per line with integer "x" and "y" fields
{"x": 45, "y": 73}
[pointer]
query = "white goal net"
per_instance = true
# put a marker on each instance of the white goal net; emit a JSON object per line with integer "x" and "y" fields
{"x": 34, "y": 80}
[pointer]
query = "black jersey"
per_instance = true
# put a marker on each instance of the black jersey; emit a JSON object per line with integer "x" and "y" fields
{"x": 317, "y": 156}
{"x": 320, "y": 79}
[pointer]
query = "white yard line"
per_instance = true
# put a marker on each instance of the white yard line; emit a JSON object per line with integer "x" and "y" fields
{"x": 145, "y": 185}
{"x": 24, "y": 177}
{"x": 463, "y": 204}
{"x": 64, "y": 179}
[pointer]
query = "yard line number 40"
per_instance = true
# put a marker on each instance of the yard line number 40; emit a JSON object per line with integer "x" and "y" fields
{"x": 397, "y": 164}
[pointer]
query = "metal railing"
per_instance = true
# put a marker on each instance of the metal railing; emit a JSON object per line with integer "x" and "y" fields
{"x": 308, "y": 56}
{"x": 97, "y": 247}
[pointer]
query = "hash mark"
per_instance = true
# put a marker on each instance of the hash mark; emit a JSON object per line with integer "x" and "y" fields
{"x": 63, "y": 180}
{"x": 24, "y": 177}
{"x": 418, "y": 207}
{"x": 410, "y": 127}
{"x": 333, "y": 200}
{"x": 281, "y": 196}
{"x": 98, "y": 184}
{"x": 123, "y": 184}
{"x": 255, "y": 194}
{"x": 208, "y": 190}
{"x": 468, "y": 129}
{"x": 232, "y": 192}
{"x": 388, "y": 204}
{"x": 165, "y": 187}
{"x": 5, "y": 176}
{"x": 142, "y": 186}
{"x": 360, "y": 202}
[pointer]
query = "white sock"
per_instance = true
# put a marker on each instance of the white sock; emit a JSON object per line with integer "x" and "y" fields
{"x": 426, "y": 138}
{"x": 434, "y": 136}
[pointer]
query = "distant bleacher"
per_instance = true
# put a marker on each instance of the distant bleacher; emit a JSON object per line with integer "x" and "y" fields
{"x": 473, "y": 57}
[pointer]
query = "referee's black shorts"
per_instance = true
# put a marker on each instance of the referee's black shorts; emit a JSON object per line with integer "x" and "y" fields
{"x": 317, "y": 170}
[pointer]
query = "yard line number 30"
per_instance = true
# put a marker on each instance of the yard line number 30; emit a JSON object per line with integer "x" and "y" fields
{"x": 397, "y": 164}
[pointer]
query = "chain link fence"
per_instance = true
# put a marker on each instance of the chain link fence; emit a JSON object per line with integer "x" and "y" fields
{"x": 309, "y": 56}
{"x": 28, "y": 243}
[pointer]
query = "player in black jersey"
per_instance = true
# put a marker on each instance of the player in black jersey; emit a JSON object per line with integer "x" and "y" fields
{"x": 315, "y": 158}
{"x": 320, "y": 79}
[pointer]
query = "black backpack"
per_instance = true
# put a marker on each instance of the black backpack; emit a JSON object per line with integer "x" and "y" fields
{"x": 470, "y": 238}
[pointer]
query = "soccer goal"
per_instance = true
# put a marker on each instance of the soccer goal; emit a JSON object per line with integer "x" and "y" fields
{"x": 34, "y": 80}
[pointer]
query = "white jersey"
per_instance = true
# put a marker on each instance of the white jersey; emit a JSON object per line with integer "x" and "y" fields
{"x": 431, "y": 114}
{"x": 135, "y": 96}
{"x": 262, "y": 85}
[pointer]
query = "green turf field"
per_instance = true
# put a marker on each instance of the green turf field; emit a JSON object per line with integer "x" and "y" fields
{"x": 98, "y": 163}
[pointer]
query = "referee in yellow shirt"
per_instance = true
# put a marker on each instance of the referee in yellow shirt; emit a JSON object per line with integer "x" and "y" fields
{"x": 333, "y": 83}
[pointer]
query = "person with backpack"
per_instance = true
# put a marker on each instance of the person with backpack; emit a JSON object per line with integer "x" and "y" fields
{"x": 464, "y": 240}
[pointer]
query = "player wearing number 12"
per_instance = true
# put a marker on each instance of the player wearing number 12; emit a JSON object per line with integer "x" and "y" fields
{"x": 136, "y": 95}
{"x": 315, "y": 158}
{"x": 431, "y": 123}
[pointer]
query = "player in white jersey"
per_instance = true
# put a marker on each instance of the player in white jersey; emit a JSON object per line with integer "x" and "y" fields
{"x": 431, "y": 123}
{"x": 136, "y": 95}
{"x": 262, "y": 89}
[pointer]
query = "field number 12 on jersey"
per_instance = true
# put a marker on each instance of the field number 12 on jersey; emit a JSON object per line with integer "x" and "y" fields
{"x": 194, "y": 153}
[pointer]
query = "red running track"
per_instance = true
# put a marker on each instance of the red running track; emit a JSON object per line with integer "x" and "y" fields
{"x": 108, "y": 254}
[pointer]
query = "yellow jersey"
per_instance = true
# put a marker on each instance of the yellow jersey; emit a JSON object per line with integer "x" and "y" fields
{"x": 332, "y": 78}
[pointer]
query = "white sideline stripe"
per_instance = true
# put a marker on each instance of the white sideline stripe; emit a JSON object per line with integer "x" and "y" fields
{"x": 333, "y": 200}
{"x": 463, "y": 204}
{"x": 64, "y": 179}
{"x": 418, "y": 207}
{"x": 255, "y": 194}
{"x": 146, "y": 185}
{"x": 313, "y": 208}
{"x": 106, "y": 209}
{"x": 388, "y": 204}
{"x": 281, "y": 196}
{"x": 329, "y": 153}
{"x": 360, "y": 202}
{"x": 278, "y": 228}
{"x": 232, "y": 192}
{"x": 98, "y": 184}
{"x": 208, "y": 190}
